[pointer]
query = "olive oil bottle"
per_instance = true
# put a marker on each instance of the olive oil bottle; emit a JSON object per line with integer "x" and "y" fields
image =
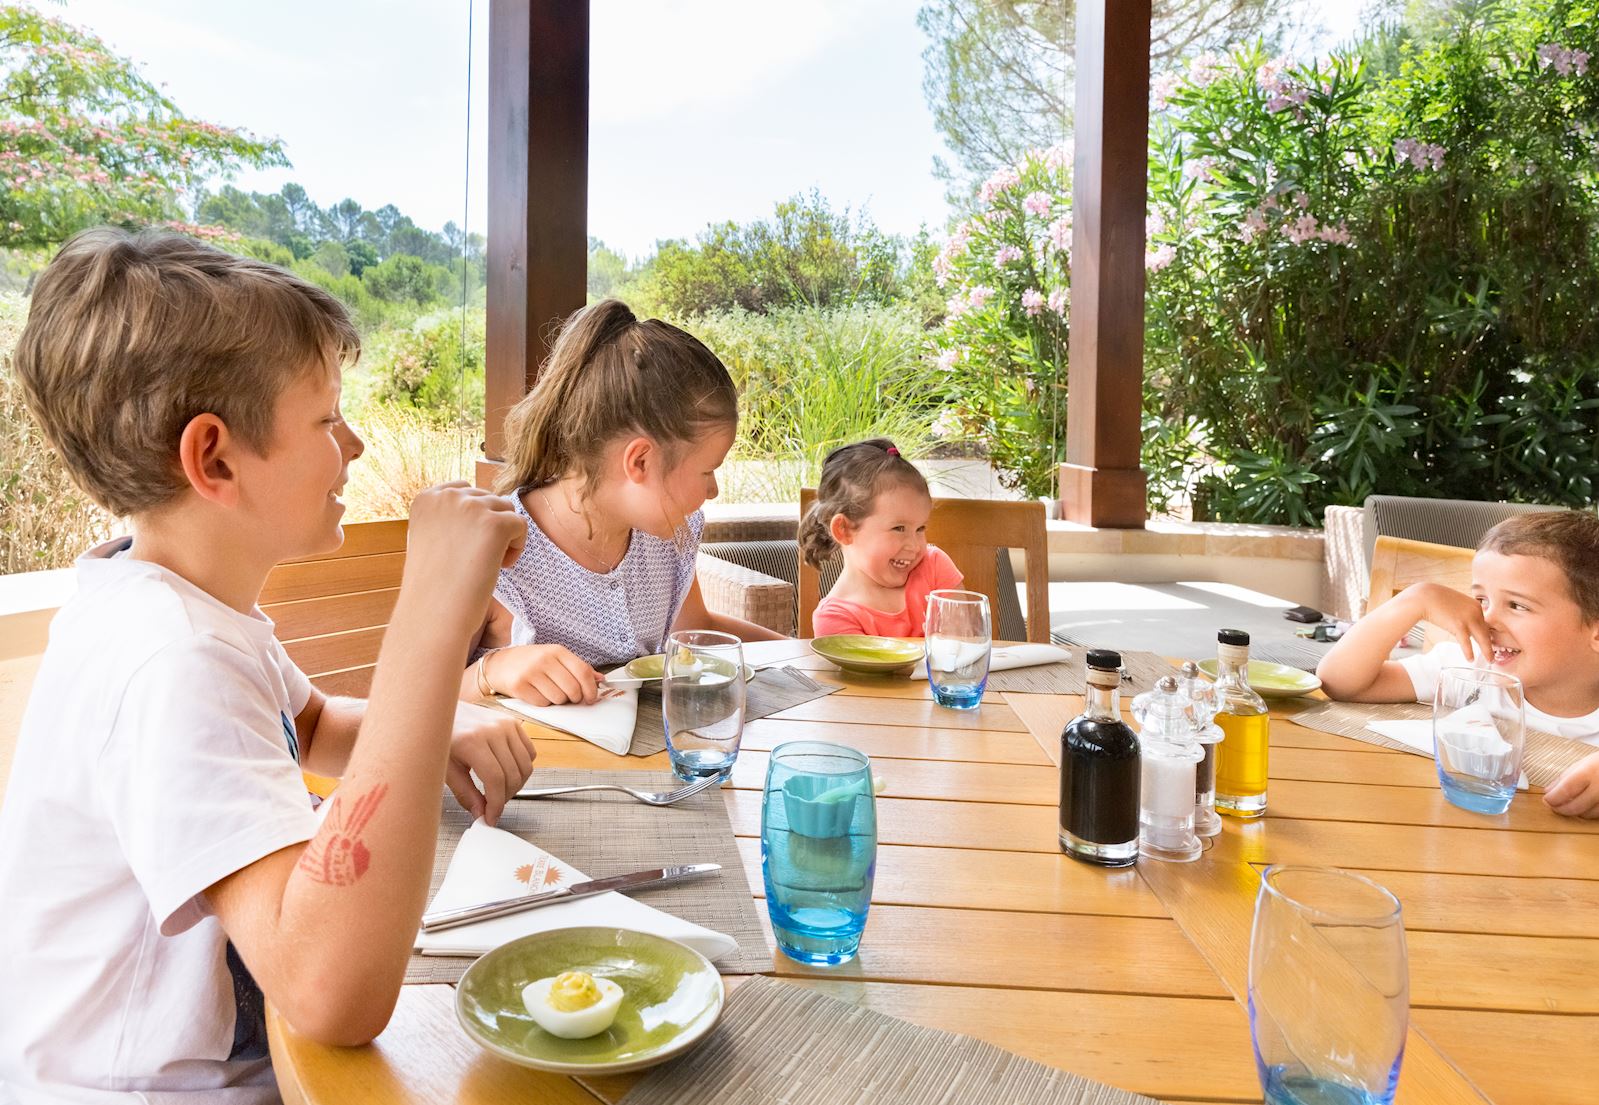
{"x": 1241, "y": 757}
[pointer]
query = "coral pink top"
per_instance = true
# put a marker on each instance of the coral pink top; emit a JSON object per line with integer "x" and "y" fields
{"x": 935, "y": 572}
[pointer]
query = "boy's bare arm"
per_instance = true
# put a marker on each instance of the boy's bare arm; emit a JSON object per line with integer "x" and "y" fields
{"x": 1357, "y": 668}
{"x": 327, "y": 728}
{"x": 326, "y": 927}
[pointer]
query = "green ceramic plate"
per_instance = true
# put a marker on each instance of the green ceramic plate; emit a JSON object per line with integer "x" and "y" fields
{"x": 857, "y": 652}
{"x": 1272, "y": 680}
{"x": 654, "y": 667}
{"x": 671, "y": 997}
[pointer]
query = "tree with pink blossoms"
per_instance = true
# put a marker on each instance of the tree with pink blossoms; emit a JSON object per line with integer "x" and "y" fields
{"x": 1379, "y": 278}
{"x": 1005, "y": 271}
{"x": 86, "y": 139}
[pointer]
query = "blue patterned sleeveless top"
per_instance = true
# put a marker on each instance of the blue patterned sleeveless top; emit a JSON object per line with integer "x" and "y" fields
{"x": 606, "y": 619}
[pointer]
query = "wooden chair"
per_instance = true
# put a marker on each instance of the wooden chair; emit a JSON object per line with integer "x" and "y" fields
{"x": 331, "y": 610}
{"x": 971, "y": 531}
{"x": 1396, "y": 563}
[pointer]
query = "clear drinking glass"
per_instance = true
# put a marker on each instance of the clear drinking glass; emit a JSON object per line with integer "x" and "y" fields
{"x": 1329, "y": 988}
{"x": 1478, "y": 733}
{"x": 818, "y": 849}
{"x": 959, "y": 643}
{"x": 702, "y": 701}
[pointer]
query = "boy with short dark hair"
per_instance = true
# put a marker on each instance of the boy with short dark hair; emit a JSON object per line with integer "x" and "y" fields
{"x": 1533, "y": 612}
{"x": 160, "y": 863}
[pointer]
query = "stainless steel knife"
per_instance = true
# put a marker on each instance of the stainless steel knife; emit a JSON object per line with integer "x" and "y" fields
{"x": 450, "y": 918}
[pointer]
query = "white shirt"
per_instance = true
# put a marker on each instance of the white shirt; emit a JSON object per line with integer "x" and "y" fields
{"x": 1424, "y": 674}
{"x": 157, "y": 755}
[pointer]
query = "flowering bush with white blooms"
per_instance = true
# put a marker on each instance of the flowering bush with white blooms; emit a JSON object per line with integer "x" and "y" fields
{"x": 1005, "y": 271}
{"x": 1379, "y": 281}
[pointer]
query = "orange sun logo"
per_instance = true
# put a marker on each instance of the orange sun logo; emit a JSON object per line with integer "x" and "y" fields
{"x": 540, "y": 874}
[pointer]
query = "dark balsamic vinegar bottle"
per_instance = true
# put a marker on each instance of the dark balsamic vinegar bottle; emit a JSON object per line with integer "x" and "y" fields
{"x": 1099, "y": 773}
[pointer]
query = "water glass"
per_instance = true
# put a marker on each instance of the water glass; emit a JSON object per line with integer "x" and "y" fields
{"x": 702, "y": 702}
{"x": 1478, "y": 733}
{"x": 818, "y": 849}
{"x": 1329, "y": 988}
{"x": 959, "y": 643}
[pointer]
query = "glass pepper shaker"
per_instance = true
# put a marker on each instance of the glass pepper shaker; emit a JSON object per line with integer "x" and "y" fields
{"x": 1169, "y": 756}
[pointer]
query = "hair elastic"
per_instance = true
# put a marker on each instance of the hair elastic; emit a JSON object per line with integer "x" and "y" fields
{"x": 892, "y": 451}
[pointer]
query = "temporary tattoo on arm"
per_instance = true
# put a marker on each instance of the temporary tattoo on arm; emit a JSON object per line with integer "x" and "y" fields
{"x": 337, "y": 855}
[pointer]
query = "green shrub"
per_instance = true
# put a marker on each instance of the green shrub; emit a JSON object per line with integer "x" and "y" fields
{"x": 810, "y": 380}
{"x": 1380, "y": 285}
{"x": 427, "y": 367}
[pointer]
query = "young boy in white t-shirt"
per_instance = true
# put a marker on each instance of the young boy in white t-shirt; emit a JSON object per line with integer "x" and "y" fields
{"x": 1533, "y": 612}
{"x": 160, "y": 865}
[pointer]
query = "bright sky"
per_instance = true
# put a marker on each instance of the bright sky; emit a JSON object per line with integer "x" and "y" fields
{"x": 701, "y": 110}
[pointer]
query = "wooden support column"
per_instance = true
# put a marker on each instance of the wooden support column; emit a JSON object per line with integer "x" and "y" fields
{"x": 538, "y": 194}
{"x": 1102, "y": 482}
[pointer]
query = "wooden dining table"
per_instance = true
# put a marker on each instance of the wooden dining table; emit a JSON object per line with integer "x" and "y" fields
{"x": 1134, "y": 977}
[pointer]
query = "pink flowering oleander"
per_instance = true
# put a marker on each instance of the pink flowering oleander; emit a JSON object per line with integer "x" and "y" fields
{"x": 1204, "y": 69}
{"x": 1302, "y": 229}
{"x": 1163, "y": 86}
{"x": 1159, "y": 257}
{"x": 1058, "y": 301}
{"x": 1058, "y": 156}
{"x": 1032, "y": 302}
{"x": 1270, "y": 75}
{"x": 1036, "y": 203}
{"x": 1422, "y": 155}
{"x": 956, "y": 306}
{"x": 1004, "y": 255}
{"x": 1254, "y": 224}
{"x": 1060, "y": 232}
{"x": 1336, "y": 235}
{"x": 1154, "y": 223}
{"x": 948, "y": 359}
{"x": 947, "y": 425}
{"x": 979, "y": 296}
{"x": 997, "y": 185}
{"x": 1565, "y": 61}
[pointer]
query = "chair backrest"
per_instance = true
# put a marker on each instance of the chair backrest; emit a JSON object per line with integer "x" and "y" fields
{"x": 1397, "y": 563}
{"x": 971, "y": 531}
{"x": 1458, "y": 522}
{"x": 331, "y": 610}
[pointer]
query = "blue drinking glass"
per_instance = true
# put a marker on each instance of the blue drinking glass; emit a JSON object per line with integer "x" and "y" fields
{"x": 1329, "y": 988}
{"x": 1478, "y": 735}
{"x": 959, "y": 646}
{"x": 818, "y": 849}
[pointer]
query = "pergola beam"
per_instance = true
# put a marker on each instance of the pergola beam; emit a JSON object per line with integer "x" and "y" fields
{"x": 1102, "y": 482}
{"x": 538, "y": 194}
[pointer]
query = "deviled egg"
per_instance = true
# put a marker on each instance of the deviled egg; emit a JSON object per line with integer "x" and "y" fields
{"x": 573, "y": 1004}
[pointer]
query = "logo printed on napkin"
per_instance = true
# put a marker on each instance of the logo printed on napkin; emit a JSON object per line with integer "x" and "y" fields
{"x": 540, "y": 874}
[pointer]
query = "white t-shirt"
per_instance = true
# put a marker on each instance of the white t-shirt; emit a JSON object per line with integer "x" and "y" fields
{"x": 157, "y": 755}
{"x": 1424, "y": 674}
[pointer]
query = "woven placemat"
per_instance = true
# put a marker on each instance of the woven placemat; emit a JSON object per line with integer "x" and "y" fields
{"x": 609, "y": 833}
{"x": 1546, "y": 758}
{"x": 779, "y": 1042}
{"x": 771, "y": 690}
{"x": 1144, "y": 669}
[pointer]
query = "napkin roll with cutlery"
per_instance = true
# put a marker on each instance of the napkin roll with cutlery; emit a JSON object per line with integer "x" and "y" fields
{"x": 492, "y": 864}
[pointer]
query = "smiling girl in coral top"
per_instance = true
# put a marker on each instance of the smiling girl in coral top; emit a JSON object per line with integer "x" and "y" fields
{"x": 872, "y": 507}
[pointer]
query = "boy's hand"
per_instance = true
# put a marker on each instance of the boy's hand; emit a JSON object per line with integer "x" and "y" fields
{"x": 542, "y": 675}
{"x": 1457, "y": 614}
{"x": 492, "y": 745}
{"x": 1576, "y": 793}
{"x": 459, "y": 538}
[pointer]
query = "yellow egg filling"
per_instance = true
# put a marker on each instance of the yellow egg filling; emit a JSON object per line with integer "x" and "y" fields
{"x": 573, "y": 990}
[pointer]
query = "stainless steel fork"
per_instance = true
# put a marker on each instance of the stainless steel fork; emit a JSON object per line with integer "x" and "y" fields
{"x": 648, "y": 797}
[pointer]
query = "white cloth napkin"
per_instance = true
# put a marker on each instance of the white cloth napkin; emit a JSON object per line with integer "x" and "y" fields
{"x": 1417, "y": 734}
{"x": 607, "y": 723}
{"x": 1003, "y": 658}
{"x": 490, "y": 864}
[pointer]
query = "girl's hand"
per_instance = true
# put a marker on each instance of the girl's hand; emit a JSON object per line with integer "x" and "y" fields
{"x": 1576, "y": 794}
{"x": 542, "y": 675}
{"x": 1455, "y": 613}
{"x": 491, "y": 745}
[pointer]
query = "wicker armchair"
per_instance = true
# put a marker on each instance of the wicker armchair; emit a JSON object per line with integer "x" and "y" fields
{"x": 742, "y": 592}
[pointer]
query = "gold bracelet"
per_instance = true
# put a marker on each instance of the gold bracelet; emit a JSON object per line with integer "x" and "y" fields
{"x": 483, "y": 687}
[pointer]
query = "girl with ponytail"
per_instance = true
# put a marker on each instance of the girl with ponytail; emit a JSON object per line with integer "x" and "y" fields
{"x": 608, "y": 460}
